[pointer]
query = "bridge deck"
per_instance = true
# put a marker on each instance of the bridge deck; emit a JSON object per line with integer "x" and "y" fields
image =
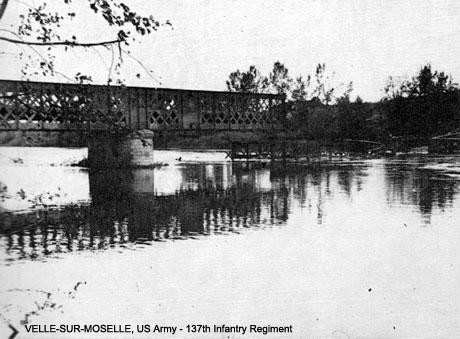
{"x": 56, "y": 106}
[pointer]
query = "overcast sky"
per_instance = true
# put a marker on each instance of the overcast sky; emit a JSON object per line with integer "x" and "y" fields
{"x": 361, "y": 41}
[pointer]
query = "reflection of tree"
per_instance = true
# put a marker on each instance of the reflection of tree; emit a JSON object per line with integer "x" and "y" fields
{"x": 345, "y": 180}
{"x": 117, "y": 215}
{"x": 322, "y": 178}
{"x": 421, "y": 187}
{"x": 350, "y": 176}
{"x": 209, "y": 200}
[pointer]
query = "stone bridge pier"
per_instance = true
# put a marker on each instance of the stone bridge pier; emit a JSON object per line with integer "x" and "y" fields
{"x": 121, "y": 150}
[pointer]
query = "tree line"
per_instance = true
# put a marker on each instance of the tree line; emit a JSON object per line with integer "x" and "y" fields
{"x": 426, "y": 105}
{"x": 279, "y": 81}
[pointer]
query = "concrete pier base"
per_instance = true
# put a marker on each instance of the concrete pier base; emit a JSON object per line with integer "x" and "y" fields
{"x": 133, "y": 150}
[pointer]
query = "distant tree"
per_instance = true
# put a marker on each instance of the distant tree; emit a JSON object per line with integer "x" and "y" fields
{"x": 247, "y": 82}
{"x": 426, "y": 83}
{"x": 353, "y": 119}
{"x": 319, "y": 88}
{"x": 423, "y": 106}
{"x": 322, "y": 90}
{"x": 251, "y": 81}
{"x": 300, "y": 89}
{"x": 279, "y": 81}
{"x": 395, "y": 88}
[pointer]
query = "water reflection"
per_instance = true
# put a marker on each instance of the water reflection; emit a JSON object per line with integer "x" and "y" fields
{"x": 128, "y": 209}
{"x": 418, "y": 186}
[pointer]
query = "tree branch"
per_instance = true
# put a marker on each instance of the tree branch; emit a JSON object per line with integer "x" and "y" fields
{"x": 3, "y": 7}
{"x": 141, "y": 64}
{"x": 61, "y": 43}
{"x": 109, "y": 77}
{"x": 38, "y": 53}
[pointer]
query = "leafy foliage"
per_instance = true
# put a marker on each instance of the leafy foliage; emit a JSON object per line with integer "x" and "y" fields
{"x": 40, "y": 26}
{"x": 426, "y": 83}
{"x": 246, "y": 82}
{"x": 426, "y": 105}
{"x": 279, "y": 81}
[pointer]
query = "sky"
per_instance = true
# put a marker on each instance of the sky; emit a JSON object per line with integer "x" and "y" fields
{"x": 360, "y": 41}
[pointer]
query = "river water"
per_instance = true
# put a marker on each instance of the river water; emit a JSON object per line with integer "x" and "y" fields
{"x": 348, "y": 249}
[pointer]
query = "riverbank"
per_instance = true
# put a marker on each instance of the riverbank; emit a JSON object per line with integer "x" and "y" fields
{"x": 42, "y": 138}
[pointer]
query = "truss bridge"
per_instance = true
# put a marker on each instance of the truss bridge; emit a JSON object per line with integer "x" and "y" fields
{"x": 56, "y": 106}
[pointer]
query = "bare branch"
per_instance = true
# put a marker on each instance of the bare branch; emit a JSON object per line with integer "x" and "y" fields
{"x": 61, "y": 43}
{"x": 141, "y": 64}
{"x": 101, "y": 58}
{"x": 38, "y": 53}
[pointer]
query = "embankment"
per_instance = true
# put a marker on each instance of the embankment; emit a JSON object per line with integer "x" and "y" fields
{"x": 42, "y": 138}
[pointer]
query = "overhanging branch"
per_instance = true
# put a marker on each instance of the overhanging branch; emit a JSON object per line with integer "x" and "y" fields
{"x": 61, "y": 43}
{"x": 3, "y": 7}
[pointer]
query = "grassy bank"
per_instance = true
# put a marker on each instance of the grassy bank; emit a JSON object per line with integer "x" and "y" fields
{"x": 42, "y": 138}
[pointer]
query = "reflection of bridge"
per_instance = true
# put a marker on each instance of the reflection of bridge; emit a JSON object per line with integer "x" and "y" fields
{"x": 133, "y": 113}
{"x": 119, "y": 215}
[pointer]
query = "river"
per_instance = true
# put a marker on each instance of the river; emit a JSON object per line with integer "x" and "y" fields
{"x": 347, "y": 249}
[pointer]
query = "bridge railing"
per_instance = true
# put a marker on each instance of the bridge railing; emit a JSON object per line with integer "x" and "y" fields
{"x": 50, "y": 106}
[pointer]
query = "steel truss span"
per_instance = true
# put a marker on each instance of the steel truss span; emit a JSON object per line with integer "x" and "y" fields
{"x": 28, "y": 105}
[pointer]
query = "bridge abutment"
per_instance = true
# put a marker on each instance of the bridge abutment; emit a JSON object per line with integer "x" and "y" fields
{"x": 133, "y": 150}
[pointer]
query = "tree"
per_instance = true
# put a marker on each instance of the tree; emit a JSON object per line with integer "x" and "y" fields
{"x": 323, "y": 89}
{"x": 426, "y": 83}
{"x": 423, "y": 106}
{"x": 353, "y": 119}
{"x": 247, "y": 82}
{"x": 300, "y": 88}
{"x": 279, "y": 81}
{"x": 39, "y": 31}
